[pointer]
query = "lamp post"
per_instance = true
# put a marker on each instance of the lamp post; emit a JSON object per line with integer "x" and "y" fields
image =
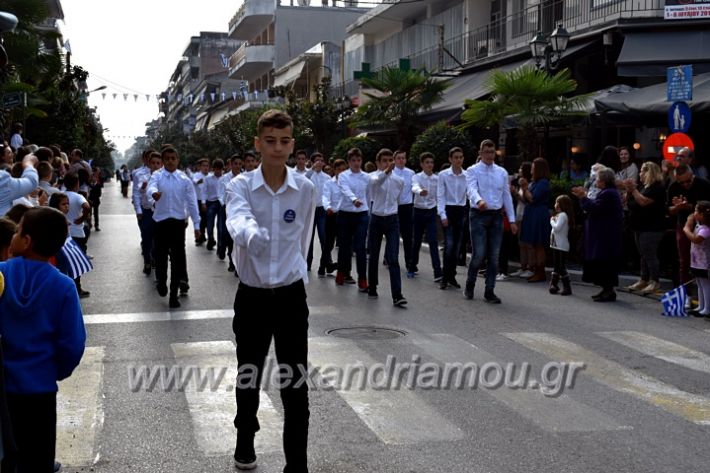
{"x": 547, "y": 52}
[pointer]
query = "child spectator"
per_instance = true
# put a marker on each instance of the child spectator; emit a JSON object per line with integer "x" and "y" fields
{"x": 43, "y": 337}
{"x": 79, "y": 210}
{"x": 559, "y": 242}
{"x": 697, "y": 230}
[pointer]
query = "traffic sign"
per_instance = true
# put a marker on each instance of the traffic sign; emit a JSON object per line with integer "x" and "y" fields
{"x": 679, "y": 117}
{"x": 675, "y": 143}
{"x": 680, "y": 83}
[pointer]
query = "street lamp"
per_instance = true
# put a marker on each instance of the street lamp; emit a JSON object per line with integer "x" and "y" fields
{"x": 549, "y": 50}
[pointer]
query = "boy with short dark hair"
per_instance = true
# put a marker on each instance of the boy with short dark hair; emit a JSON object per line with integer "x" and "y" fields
{"x": 43, "y": 337}
{"x": 270, "y": 215}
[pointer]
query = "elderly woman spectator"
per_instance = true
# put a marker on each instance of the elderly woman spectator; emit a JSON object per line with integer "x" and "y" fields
{"x": 535, "y": 229}
{"x": 647, "y": 218}
{"x": 602, "y": 235}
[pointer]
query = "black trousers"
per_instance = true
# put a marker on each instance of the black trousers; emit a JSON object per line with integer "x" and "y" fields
{"x": 331, "y": 230}
{"x": 405, "y": 214}
{"x": 559, "y": 262}
{"x": 170, "y": 242}
{"x": 259, "y": 316}
{"x": 34, "y": 426}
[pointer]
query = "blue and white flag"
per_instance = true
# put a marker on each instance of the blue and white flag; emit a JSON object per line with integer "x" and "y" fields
{"x": 224, "y": 60}
{"x": 674, "y": 302}
{"x": 72, "y": 261}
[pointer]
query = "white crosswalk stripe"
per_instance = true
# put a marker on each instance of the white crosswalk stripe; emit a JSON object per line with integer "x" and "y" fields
{"x": 554, "y": 414}
{"x": 397, "y": 417}
{"x": 134, "y": 317}
{"x": 689, "y": 406}
{"x": 213, "y": 411}
{"x": 80, "y": 415}
{"x": 661, "y": 349}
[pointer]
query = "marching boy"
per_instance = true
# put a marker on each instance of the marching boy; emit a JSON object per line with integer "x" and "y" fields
{"x": 270, "y": 214}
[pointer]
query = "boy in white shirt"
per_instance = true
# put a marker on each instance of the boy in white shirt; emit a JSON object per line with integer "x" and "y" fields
{"x": 424, "y": 186}
{"x": 79, "y": 210}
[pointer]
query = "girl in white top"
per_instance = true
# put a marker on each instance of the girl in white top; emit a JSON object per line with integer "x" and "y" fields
{"x": 561, "y": 222}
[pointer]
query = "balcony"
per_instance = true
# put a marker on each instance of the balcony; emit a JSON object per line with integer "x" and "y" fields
{"x": 515, "y": 31}
{"x": 251, "y": 18}
{"x": 251, "y": 61}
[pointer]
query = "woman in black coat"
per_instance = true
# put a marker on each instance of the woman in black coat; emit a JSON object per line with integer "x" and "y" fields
{"x": 602, "y": 235}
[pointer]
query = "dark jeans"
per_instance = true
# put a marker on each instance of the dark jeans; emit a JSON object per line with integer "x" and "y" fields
{"x": 319, "y": 224}
{"x": 352, "y": 231}
{"x": 486, "y": 237}
{"x": 259, "y": 316}
{"x": 203, "y": 219}
{"x": 683, "y": 255}
{"x": 425, "y": 220}
{"x": 405, "y": 215}
{"x": 387, "y": 227}
{"x": 170, "y": 241}
{"x": 647, "y": 243}
{"x": 331, "y": 230}
{"x": 505, "y": 249}
{"x": 147, "y": 227}
{"x": 213, "y": 207}
{"x": 34, "y": 425}
{"x": 224, "y": 241}
{"x": 559, "y": 262}
{"x": 453, "y": 234}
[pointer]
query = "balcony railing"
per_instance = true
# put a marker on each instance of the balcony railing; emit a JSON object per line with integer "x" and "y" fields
{"x": 515, "y": 31}
{"x": 240, "y": 54}
{"x": 252, "y": 7}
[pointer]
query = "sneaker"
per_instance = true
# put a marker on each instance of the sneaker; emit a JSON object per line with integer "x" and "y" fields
{"x": 399, "y": 301}
{"x": 244, "y": 454}
{"x": 410, "y": 275}
{"x": 83, "y": 294}
{"x": 526, "y": 274}
{"x": 438, "y": 279}
{"x": 468, "y": 291}
{"x": 362, "y": 285}
{"x": 652, "y": 287}
{"x": 502, "y": 277}
{"x": 516, "y": 274}
{"x": 490, "y": 297}
{"x": 321, "y": 272}
{"x": 339, "y": 279}
{"x": 372, "y": 293}
{"x": 453, "y": 283}
{"x": 173, "y": 303}
{"x": 638, "y": 285}
{"x": 162, "y": 289}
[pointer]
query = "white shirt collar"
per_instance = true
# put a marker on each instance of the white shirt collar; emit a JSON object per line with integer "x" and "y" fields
{"x": 258, "y": 180}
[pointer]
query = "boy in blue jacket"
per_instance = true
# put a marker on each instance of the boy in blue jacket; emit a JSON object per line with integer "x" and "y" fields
{"x": 43, "y": 337}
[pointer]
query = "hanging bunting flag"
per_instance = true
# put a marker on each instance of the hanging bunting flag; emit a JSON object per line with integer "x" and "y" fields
{"x": 157, "y": 97}
{"x": 224, "y": 60}
{"x": 202, "y": 97}
{"x": 179, "y": 98}
{"x": 234, "y": 95}
{"x": 114, "y": 96}
{"x": 212, "y": 96}
{"x": 147, "y": 97}
{"x": 224, "y": 96}
{"x": 135, "y": 97}
{"x": 103, "y": 95}
{"x": 190, "y": 97}
{"x": 125, "y": 97}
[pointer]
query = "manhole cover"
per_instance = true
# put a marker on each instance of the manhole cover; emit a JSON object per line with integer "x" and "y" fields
{"x": 366, "y": 333}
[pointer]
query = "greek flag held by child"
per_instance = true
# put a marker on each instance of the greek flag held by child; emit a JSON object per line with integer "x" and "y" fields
{"x": 674, "y": 302}
{"x": 72, "y": 261}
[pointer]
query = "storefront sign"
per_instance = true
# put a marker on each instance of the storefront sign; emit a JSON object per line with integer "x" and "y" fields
{"x": 686, "y": 9}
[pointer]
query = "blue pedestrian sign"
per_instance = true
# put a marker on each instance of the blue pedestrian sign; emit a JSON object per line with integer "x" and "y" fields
{"x": 679, "y": 117}
{"x": 680, "y": 83}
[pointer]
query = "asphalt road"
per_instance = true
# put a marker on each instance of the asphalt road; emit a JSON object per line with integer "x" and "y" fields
{"x": 640, "y": 400}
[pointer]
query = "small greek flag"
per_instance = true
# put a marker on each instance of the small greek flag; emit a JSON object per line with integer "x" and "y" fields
{"x": 224, "y": 60}
{"x": 674, "y": 302}
{"x": 72, "y": 261}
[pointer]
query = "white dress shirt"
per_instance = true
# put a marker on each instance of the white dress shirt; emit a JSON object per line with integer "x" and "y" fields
{"x": 222, "y": 185}
{"x": 199, "y": 188}
{"x": 406, "y": 175}
{"x": 76, "y": 209}
{"x": 421, "y": 182}
{"x": 353, "y": 186}
{"x": 211, "y": 187}
{"x": 140, "y": 175}
{"x": 490, "y": 183}
{"x": 451, "y": 190}
{"x": 318, "y": 178}
{"x": 331, "y": 195}
{"x": 385, "y": 190}
{"x": 287, "y": 215}
{"x": 177, "y": 196}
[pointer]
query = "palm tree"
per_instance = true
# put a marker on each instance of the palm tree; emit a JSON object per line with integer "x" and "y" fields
{"x": 400, "y": 97}
{"x": 532, "y": 98}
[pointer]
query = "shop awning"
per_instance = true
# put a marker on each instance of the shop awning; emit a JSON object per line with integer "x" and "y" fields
{"x": 649, "y": 54}
{"x": 287, "y": 77}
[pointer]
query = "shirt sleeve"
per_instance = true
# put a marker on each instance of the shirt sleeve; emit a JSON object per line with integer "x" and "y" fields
{"x": 325, "y": 198}
{"x": 23, "y": 185}
{"x": 310, "y": 216}
{"x": 416, "y": 188}
{"x": 136, "y": 193}
{"x": 472, "y": 187}
{"x": 152, "y": 187}
{"x": 241, "y": 222}
{"x": 508, "y": 199}
{"x": 560, "y": 222}
{"x": 345, "y": 188}
{"x": 441, "y": 197}
{"x": 191, "y": 202}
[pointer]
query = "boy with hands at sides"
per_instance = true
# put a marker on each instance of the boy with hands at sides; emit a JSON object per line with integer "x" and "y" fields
{"x": 270, "y": 214}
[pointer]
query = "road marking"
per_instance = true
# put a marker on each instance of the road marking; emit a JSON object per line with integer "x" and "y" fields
{"x": 213, "y": 412}
{"x": 136, "y": 317}
{"x": 661, "y": 349}
{"x": 553, "y": 414}
{"x": 686, "y": 405}
{"x": 80, "y": 415}
{"x": 397, "y": 417}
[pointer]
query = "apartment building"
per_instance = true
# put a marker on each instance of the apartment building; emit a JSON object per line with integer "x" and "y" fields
{"x": 275, "y": 34}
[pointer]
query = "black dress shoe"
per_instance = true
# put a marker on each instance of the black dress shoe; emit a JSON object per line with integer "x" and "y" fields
{"x": 607, "y": 296}
{"x": 162, "y": 289}
{"x": 695, "y": 313}
{"x": 490, "y": 297}
{"x": 598, "y": 295}
{"x": 231, "y": 267}
{"x": 174, "y": 303}
{"x": 443, "y": 285}
{"x": 453, "y": 283}
{"x": 147, "y": 269}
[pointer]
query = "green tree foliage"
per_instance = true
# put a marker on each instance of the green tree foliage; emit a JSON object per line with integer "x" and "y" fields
{"x": 368, "y": 146}
{"x": 398, "y": 98}
{"x": 530, "y": 97}
{"x": 438, "y": 139}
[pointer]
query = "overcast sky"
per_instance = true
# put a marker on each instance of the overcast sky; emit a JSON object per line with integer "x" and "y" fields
{"x": 133, "y": 46}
